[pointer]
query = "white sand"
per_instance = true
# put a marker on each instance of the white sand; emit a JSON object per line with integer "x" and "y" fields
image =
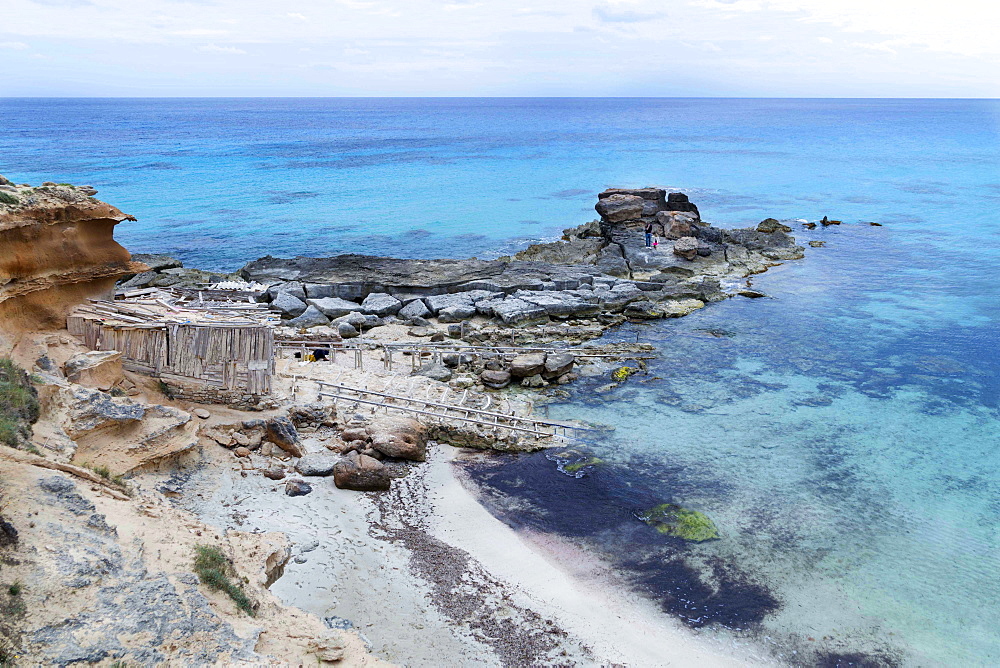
{"x": 559, "y": 580}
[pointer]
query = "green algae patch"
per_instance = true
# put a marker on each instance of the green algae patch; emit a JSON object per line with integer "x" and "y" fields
{"x": 622, "y": 373}
{"x": 673, "y": 520}
{"x": 577, "y": 466}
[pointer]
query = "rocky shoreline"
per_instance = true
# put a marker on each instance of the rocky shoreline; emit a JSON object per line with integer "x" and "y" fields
{"x": 215, "y": 477}
{"x": 598, "y": 273}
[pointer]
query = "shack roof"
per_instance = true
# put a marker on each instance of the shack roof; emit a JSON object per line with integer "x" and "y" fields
{"x": 157, "y": 307}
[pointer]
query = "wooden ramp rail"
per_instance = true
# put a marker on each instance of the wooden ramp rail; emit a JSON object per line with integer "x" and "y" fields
{"x": 417, "y": 351}
{"x": 447, "y": 411}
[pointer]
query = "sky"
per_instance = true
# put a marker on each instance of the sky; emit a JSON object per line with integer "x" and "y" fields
{"x": 728, "y": 48}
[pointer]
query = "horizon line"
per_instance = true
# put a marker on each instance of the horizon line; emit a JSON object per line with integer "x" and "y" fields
{"x": 474, "y": 97}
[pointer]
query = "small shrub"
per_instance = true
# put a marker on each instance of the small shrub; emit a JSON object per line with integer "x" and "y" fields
{"x": 7, "y": 198}
{"x": 215, "y": 570}
{"x": 9, "y": 431}
{"x": 166, "y": 391}
{"x": 15, "y": 589}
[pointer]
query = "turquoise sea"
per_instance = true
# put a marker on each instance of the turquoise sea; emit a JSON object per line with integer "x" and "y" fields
{"x": 843, "y": 434}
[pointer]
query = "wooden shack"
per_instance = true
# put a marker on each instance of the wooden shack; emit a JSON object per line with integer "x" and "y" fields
{"x": 212, "y": 354}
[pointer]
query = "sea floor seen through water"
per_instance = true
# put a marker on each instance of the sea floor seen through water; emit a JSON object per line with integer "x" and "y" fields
{"x": 849, "y": 463}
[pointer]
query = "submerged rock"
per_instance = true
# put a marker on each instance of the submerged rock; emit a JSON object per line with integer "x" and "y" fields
{"x": 769, "y": 225}
{"x": 673, "y": 520}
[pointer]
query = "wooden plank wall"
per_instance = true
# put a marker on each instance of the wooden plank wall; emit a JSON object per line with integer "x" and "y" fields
{"x": 233, "y": 357}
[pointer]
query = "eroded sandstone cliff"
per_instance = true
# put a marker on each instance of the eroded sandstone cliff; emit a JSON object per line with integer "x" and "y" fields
{"x": 57, "y": 248}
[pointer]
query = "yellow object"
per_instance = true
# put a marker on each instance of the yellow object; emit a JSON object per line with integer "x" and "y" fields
{"x": 622, "y": 373}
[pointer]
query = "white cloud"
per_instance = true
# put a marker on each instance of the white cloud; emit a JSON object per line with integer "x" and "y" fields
{"x": 566, "y": 47}
{"x": 14, "y": 46}
{"x": 215, "y": 48}
{"x": 199, "y": 32}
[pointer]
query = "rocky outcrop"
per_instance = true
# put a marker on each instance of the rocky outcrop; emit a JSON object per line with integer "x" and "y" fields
{"x": 641, "y": 205}
{"x": 597, "y": 269}
{"x": 58, "y": 249}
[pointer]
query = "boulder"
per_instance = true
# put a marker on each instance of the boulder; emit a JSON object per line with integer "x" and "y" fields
{"x": 296, "y": 487}
{"x": 534, "y": 381}
{"x": 334, "y": 307}
{"x": 282, "y": 433}
{"x": 381, "y": 304}
{"x": 347, "y": 331}
{"x": 288, "y": 305}
{"x": 619, "y": 208}
{"x": 456, "y": 313}
{"x": 316, "y": 464}
{"x": 414, "y": 309}
{"x": 528, "y": 364}
{"x": 242, "y": 451}
{"x": 421, "y": 331}
{"x": 201, "y": 413}
{"x": 313, "y": 415}
{"x": 96, "y": 368}
{"x": 557, "y": 364}
{"x": 91, "y": 410}
{"x": 293, "y": 288}
{"x": 495, "y": 379}
{"x": 311, "y": 317}
{"x": 354, "y": 434}
{"x": 676, "y": 224}
{"x": 769, "y": 225}
{"x": 319, "y": 290}
{"x": 514, "y": 311}
{"x": 644, "y": 309}
{"x": 436, "y": 303}
{"x": 434, "y": 372}
{"x": 686, "y": 247}
{"x": 399, "y": 437}
{"x": 141, "y": 280}
{"x": 360, "y": 473}
{"x": 273, "y": 473}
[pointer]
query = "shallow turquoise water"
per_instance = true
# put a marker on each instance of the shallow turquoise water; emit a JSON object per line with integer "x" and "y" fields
{"x": 843, "y": 434}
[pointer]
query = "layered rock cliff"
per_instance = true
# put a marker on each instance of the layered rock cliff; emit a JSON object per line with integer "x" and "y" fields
{"x": 57, "y": 248}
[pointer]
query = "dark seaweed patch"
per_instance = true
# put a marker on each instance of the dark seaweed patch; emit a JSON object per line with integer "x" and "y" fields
{"x": 731, "y": 599}
{"x": 600, "y": 507}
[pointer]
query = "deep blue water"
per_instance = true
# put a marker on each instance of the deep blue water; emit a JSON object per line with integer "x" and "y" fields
{"x": 844, "y": 434}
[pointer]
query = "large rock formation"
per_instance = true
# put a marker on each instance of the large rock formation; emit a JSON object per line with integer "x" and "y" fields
{"x": 598, "y": 268}
{"x": 58, "y": 249}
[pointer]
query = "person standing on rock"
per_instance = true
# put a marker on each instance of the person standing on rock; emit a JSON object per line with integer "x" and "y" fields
{"x": 649, "y": 235}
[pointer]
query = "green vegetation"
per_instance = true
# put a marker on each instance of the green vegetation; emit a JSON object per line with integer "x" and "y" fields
{"x": 216, "y": 571}
{"x": 19, "y": 408}
{"x": 12, "y": 608}
{"x": 106, "y": 473}
{"x": 166, "y": 391}
{"x": 576, "y": 466}
{"x": 622, "y": 373}
{"x": 673, "y": 520}
{"x": 7, "y": 198}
